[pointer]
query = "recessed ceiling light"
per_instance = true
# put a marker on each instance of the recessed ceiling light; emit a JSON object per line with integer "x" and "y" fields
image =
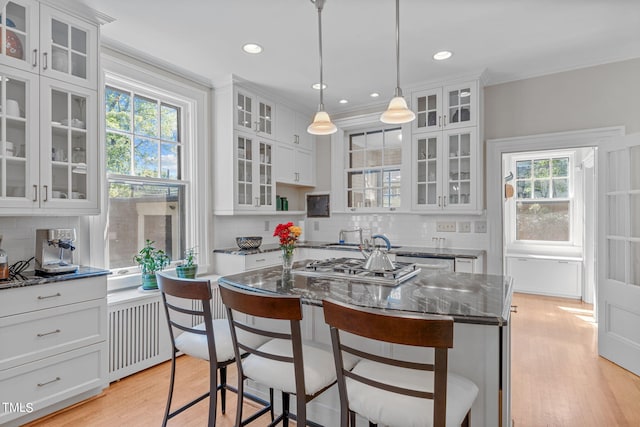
{"x": 442, "y": 55}
{"x": 374, "y": 95}
{"x": 343, "y": 101}
{"x": 316, "y": 86}
{"x": 252, "y": 48}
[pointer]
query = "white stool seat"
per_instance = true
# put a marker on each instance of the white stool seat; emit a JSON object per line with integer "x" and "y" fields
{"x": 196, "y": 345}
{"x": 406, "y": 411}
{"x": 319, "y": 368}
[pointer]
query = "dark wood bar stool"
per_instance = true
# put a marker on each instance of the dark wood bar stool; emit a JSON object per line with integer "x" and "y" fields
{"x": 307, "y": 371}
{"x": 210, "y": 340}
{"x": 396, "y": 392}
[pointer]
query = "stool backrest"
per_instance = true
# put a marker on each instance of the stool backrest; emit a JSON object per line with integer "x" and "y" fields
{"x": 279, "y": 307}
{"x": 395, "y": 328}
{"x": 193, "y": 290}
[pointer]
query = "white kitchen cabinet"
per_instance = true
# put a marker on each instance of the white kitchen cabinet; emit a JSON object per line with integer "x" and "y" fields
{"x": 49, "y": 151}
{"x": 254, "y": 183}
{"x": 58, "y": 351}
{"x": 254, "y": 113}
{"x": 448, "y": 107}
{"x": 49, "y": 163}
{"x": 446, "y": 171}
{"x": 294, "y": 165}
{"x": 546, "y": 276}
{"x": 236, "y": 263}
{"x": 50, "y": 42}
{"x": 291, "y": 128}
{"x": 468, "y": 265}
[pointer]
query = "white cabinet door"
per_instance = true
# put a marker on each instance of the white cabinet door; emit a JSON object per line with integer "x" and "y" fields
{"x": 285, "y": 163}
{"x": 68, "y": 147}
{"x": 286, "y": 125}
{"x": 427, "y": 105}
{"x": 19, "y": 22}
{"x": 254, "y": 183}
{"x": 254, "y": 114}
{"x": 445, "y": 172}
{"x": 305, "y": 167}
{"x": 69, "y": 48}
{"x": 460, "y": 107}
{"x": 304, "y": 139}
{"x": 19, "y": 147}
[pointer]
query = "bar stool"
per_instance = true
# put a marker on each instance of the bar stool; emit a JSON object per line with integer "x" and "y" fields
{"x": 284, "y": 363}
{"x": 210, "y": 340}
{"x": 396, "y": 392}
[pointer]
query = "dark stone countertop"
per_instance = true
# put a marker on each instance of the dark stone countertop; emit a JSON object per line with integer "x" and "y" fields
{"x": 413, "y": 251}
{"x": 29, "y": 278}
{"x": 468, "y": 298}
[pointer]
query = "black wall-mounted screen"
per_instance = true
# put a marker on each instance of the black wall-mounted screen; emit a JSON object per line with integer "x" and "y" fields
{"x": 318, "y": 206}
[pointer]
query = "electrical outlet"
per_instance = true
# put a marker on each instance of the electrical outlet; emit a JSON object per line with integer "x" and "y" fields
{"x": 316, "y": 225}
{"x": 267, "y": 227}
{"x": 464, "y": 227}
{"x": 480, "y": 227}
{"x": 448, "y": 226}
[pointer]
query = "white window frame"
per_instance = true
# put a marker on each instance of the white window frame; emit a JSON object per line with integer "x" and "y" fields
{"x": 340, "y": 162}
{"x": 510, "y": 206}
{"x": 148, "y": 80}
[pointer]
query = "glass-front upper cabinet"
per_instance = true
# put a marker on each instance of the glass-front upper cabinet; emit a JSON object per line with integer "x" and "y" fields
{"x": 68, "y": 147}
{"x": 443, "y": 108}
{"x": 254, "y": 174}
{"x": 253, "y": 113}
{"x": 69, "y": 48}
{"x": 19, "y": 139}
{"x": 19, "y": 31}
{"x": 446, "y": 170}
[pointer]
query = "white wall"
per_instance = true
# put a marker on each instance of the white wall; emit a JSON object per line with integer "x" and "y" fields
{"x": 588, "y": 98}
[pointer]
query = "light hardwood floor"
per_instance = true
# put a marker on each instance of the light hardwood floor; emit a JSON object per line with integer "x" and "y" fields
{"x": 557, "y": 380}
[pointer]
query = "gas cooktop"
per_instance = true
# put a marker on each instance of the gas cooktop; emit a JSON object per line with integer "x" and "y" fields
{"x": 351, "y": 268}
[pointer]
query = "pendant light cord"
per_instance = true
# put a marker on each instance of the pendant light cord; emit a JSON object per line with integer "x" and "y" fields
{"x": 319, "y": 5}
{"x": 398, "y": 90}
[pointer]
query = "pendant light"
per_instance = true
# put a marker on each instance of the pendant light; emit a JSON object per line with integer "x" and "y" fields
{"x": 397, "y": 112}
{"x": 322, "y": 124}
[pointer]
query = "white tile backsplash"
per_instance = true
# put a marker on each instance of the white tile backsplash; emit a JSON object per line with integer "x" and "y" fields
{"x": 404, "y": 229}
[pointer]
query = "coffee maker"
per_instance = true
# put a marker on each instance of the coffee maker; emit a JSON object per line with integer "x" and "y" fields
{"x": 55, "y": 250}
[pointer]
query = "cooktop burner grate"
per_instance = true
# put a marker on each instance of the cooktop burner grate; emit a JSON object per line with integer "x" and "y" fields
{"x": 354, "y": 268}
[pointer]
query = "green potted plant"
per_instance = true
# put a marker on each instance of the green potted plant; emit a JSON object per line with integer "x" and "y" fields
{"x": 150, "y": 260}
{"x": 188, "y": 268}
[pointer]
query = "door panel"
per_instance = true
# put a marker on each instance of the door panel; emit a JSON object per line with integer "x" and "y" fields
{"x": 619, "y": 271}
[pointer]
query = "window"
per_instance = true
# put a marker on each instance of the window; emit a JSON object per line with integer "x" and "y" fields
{"x": 146, "y": 190}
{"x": 543, "y": 199}
{"x": 373, "y": 171}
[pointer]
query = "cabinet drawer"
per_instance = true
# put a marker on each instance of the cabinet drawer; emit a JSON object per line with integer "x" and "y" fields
{"x": 262, "y": 260}
{"x": 48, "y": 295}
{"x": 43, "y": 333}
{"x": 53, "y": 379}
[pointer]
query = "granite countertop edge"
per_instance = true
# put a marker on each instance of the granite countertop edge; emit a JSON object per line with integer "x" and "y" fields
{"x": 30, "y": 279}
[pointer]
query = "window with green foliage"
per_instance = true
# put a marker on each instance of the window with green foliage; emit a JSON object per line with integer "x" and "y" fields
{"x": 144, "y": 145}
{"x": 543, "y": 199}
{"x": 373, "y": 173}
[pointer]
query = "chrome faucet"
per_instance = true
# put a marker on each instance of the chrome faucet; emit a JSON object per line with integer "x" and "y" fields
{"x": 353, "y": 230}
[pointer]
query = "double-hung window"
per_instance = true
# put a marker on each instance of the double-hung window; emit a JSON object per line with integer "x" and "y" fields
{"x": 145, "y": 142}
{"x": 544, "y": 198}
{"x": 373, "y": 172}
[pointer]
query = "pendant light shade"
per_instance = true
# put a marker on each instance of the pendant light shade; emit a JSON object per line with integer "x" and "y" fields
{"x": 322, "y": 124}
{"x": 397, "y": 112}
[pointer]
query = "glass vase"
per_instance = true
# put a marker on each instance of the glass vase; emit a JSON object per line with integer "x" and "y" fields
{"x": 287, "y": 259}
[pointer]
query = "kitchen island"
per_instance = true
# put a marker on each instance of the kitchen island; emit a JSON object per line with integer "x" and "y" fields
{"x": 479, "y": 304}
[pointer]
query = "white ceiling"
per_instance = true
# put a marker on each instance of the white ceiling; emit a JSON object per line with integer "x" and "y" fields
{"x": 508, "y": 39}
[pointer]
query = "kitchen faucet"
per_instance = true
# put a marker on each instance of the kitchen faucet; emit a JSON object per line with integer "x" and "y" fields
{"x": 353, "y": 230}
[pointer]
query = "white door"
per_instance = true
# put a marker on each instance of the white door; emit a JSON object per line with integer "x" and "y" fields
{"x": 619, "y": 253}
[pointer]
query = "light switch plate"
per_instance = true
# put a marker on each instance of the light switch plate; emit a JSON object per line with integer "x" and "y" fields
{"x": 316, "y": 225}
{"x": 464, "y": 227}
{"x": 480, "y": 227}
{"x": 267, "y": 227}
{"x": 446, "y": 226}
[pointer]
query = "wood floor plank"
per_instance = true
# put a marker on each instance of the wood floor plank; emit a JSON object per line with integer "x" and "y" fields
{"x": 558, "y": 379}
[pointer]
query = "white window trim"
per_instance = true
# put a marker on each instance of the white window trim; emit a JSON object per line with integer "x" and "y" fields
{"x": 574, "y": 214}
{"x": 194, "y": 101}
